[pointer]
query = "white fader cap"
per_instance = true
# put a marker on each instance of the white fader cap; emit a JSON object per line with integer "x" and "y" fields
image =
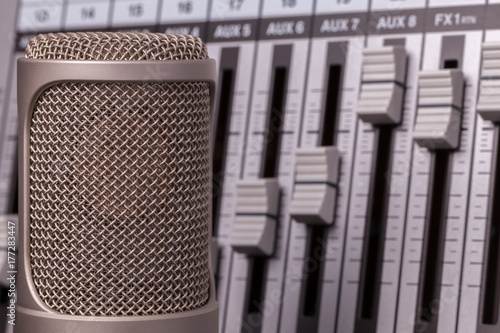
{"x": 254, "y": 230}
{"x": 382, "y": 86}
{"x": 439, "y": 109}
{"x": 316, "y": 179}
{"x": 488, "y": 105}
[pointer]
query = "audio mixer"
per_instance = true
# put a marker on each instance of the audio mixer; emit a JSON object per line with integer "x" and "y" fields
{"x": 355, "y": 143}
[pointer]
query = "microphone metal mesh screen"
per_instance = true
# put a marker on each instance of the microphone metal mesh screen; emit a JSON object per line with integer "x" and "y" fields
{"x": 119, "y": 197}
{"x": 116, "y": 46}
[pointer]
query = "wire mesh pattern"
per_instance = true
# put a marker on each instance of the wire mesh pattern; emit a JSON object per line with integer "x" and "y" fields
{"x": 116, "y": 46}
{"x": 119, "y": 197}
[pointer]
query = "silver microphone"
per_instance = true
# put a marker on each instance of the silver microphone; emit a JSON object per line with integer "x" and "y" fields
{"x": 115, "y": 184}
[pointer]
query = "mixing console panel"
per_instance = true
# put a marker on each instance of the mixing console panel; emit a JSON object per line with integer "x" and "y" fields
{"x": 355, "y": 154}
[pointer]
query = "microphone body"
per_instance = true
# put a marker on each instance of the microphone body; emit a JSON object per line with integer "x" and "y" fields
{"x": 115, "y": 183}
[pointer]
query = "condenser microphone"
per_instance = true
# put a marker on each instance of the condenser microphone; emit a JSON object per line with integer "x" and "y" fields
{"x": 115, "y": 184}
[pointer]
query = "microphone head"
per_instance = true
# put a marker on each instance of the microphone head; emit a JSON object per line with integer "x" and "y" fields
{"x": 116, "y": 46}
{"x": 117, "y": 199}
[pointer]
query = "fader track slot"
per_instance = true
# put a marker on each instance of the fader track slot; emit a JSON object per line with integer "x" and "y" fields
{"x": 316, "y": 253}
{"x": 221, "y": 142}
{"x": 275, "y": 123}
{"x": 434, "y": 235}
{"x": 314, "y": 258}
{"x": 313, "y": 275}
{"x": 381, "y": 104}
{"x": 229, "y": 61}
{"x": 441, "y": 150}
{"x": 492, "y": 279}
{"x": 488, "y": 108}
{"x": 328, "y": 134}
{"x": 270, "y": 169}
{"x": 257, "y": 268}
{"x": 375, "y": 225}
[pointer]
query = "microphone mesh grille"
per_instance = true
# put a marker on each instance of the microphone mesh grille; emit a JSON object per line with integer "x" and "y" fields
{"x": 116, "y": 46}
{"x": 119, "y": 198}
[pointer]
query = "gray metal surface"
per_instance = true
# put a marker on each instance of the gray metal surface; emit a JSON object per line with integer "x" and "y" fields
{"x": 115, "y": 167}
